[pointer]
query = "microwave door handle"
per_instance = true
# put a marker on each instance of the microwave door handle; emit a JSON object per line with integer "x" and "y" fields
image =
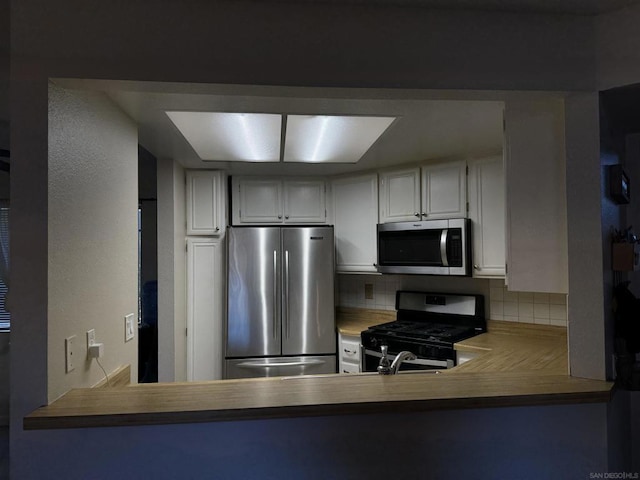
{"x": 443, "y": 247}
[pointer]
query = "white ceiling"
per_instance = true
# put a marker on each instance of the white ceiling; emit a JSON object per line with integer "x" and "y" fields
{"x": 427, "y": 129}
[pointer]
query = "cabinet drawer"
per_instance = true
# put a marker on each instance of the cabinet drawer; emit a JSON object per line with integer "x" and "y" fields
{"x": 350, "y": 350}
{"x": 349, "y": 367}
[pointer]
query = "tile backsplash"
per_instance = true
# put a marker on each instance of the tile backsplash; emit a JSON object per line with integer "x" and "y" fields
{"x": 527, "y": 307}
{"x": 378, "y": 292}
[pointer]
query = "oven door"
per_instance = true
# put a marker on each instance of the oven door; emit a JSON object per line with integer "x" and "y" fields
{"x": 371, "y": 359}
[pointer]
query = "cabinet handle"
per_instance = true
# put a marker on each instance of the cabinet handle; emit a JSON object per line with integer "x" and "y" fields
{"x": 476, "y": 267}
{"x": 217, "y": 229}
{"x": 351, "y": 352}
{"x": 286, "y": 216}
{"x": 279, "y": 217}
{"x": 416, "y": 215}
{"x": 423, "y": 214}
{"x": 375, "y": 264}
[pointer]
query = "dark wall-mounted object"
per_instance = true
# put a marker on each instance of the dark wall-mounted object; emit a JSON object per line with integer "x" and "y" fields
{"x": 625, "y": 257}
{"x": 4, "y": 164}
{"x": 619, "y": 185}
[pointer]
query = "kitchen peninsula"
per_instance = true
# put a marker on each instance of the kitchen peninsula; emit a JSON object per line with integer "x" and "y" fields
{"x": 516, "y": 365}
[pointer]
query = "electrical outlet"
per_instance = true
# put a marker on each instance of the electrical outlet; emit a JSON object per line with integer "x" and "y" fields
{"x": 368, "y": 291}
{"x": 129, "y": 330}
{"x": 69, "y": 345}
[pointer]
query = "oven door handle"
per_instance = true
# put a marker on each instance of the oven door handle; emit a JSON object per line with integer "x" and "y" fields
{"x": 443, "y": 247}
{"x": 418, "y": 361}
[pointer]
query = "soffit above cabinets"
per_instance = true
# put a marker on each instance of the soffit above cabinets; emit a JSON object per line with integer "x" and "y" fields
{"x": 430, "y": 126}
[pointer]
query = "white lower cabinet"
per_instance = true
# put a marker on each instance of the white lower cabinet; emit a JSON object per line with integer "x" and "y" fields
{"x": 464, "y": 357}
{"x": 349, "y": 351}
{"x": 205, "y": 308}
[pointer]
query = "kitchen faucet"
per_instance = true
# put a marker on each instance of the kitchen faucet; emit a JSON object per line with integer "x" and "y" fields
{"x": 387, "y": 368}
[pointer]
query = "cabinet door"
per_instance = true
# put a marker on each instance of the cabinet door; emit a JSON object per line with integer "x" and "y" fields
{"x": 400, "y": 195}
{"x": 537, "y": 252}
{"x": 304, "y": 201}
{"x": 487, "y": 214}
{"x": 257, "y": 200}
{"x": 205, "y": 296}
{"x": 444, "y": 190}
{"x": 205, "y": 202}
{"x": 355, "y": 216}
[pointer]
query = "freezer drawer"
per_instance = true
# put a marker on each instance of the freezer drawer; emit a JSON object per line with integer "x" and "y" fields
{"x": 279, "y": 366}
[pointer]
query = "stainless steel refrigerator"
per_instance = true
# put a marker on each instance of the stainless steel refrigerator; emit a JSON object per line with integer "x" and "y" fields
{"x": 280, "y": 305}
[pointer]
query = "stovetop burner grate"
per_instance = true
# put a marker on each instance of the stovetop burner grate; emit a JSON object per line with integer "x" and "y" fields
{"x": 422, "y": 330}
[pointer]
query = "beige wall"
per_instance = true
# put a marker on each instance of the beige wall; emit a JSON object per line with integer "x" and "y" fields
{"x": 93, "y": 258}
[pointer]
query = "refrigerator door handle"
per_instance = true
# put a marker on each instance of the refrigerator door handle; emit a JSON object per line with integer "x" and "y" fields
{"x": 286, "y": 291}
{"x": 300, "y": 363}
{"x": 275, "y": 294}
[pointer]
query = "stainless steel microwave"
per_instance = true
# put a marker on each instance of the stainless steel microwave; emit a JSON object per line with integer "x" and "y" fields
{"x": 432, "y": 247}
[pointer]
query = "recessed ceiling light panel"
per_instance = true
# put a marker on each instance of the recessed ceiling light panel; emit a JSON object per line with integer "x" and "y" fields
{"x": 331, "y": 138}
{"x": 235, "y": 137}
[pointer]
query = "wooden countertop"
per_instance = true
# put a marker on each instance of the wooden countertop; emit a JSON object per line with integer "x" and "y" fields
{"x": 352, "y": 321}
{"x": 517, "y": 347}
{"x": 517, "y": 364}
{"x": 312, "y": 395}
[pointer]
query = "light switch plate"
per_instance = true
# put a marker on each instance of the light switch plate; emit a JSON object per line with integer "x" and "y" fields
{"x": 69, "y": 345}
{"x": 91, "y": 337}
{"x": 129, "y": 327}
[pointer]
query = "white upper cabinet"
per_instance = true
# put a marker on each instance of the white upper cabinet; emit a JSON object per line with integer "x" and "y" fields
{"x": 304, "y": 201}
{"x": 257, "y": 200}
{"x": 431, "y": 192}
{"x": 205, "y": 202}
{"x": 275, "y": 201}
{"x": 444, "y": 190}
{"x": 487, "y": 214}
{"x": 400, "y": 195}
{"x": 355, "y": 216}
{"x": 537, "y": 258}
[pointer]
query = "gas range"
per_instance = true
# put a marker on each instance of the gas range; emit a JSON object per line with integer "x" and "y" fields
{"x": 427, "y": 324}
{"x": 431, "y": 332}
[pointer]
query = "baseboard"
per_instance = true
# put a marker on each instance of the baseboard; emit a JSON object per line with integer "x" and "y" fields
{"x": 120, "y": 377}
